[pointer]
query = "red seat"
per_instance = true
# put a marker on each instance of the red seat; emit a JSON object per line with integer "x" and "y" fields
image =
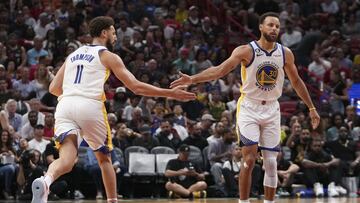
{"x": 288, "y": 106}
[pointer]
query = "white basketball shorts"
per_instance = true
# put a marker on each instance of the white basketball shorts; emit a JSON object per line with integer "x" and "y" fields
{"x": 258, "y": 122}
{"x": 87, "y": 118}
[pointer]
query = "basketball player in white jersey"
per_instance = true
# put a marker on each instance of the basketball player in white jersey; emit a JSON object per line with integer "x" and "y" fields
{"x": 80, "y": 113}
{"x": 263, "y": 67}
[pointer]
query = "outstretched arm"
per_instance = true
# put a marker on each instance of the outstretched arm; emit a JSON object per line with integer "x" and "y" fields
{"x": 299, "y": 86}
{"x": 240, "y": 54}
{"x": 116, "y": 65}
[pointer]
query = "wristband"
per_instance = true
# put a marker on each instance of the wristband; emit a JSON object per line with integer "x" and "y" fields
{"x": 312, "y": 109}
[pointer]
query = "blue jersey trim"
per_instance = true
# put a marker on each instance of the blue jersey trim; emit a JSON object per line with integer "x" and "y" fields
{"x": 253, "y": 56}
{"x": 283, "y": 51}
{"x": 266, "y": 52}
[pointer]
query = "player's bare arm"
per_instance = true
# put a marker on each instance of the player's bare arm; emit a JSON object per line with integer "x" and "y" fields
{"x": 116, "y": 65}
{"x": 241, "y": 54}
{"x": 55, "y": 87}
{"x": 299, "y": 86}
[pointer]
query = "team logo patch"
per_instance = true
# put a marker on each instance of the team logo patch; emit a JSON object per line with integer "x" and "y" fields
{"x": 266, "y": 76}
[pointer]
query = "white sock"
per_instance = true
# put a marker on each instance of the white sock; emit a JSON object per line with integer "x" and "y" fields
{"x": 268, "y": 201}
{"x": 244, "y": 201}
{"x": 48, "y": 180}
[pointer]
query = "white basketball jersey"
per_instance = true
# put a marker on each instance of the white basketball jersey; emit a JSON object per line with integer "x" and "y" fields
{"x": 263, "y": 77}
{"x": 85, "y": 75}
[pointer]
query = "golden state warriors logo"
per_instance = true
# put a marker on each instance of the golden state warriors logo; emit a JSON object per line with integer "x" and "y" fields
{"x": 266, "y": 76}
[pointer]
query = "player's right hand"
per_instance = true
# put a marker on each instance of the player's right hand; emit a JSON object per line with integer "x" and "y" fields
{"x": 315, "y": 119}
{"x": 183, "y": 80}
{"x": 179, "y": 93}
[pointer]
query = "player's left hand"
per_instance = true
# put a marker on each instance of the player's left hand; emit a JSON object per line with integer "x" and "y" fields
{"x": 183, "y": 80}
{"x": 315, "y": 118}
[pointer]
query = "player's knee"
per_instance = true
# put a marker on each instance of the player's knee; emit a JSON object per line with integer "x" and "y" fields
{"x": 270, "y": 178}
{"x": 270, "y": 166}
{"x": 249, "y": 162}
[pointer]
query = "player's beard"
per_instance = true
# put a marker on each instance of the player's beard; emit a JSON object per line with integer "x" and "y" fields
{"x": 109, "y": 45}
{"x": 269, "y": 38}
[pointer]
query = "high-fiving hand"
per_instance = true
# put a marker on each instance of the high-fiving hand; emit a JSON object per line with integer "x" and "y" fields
{"x": 183, "y": 80}
{"x": 179, "y": 93}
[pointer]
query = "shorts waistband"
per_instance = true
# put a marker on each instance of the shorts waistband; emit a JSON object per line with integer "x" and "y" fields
{"x": 260, "y": 102}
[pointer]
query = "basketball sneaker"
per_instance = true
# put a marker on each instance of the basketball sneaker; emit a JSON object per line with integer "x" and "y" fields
{"x": 39, "y": 190}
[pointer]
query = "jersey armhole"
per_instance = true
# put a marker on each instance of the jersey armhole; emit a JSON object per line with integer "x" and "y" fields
{"x": 253, "y": 56}
{"x": 99, "y": 51}
{"x": 283, "y": 51}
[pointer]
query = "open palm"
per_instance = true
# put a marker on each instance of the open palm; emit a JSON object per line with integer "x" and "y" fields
{"x": 183, "y": 80}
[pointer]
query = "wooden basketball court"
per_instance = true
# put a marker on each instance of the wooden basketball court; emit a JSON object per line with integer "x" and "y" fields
{"x": 283, "y": 200}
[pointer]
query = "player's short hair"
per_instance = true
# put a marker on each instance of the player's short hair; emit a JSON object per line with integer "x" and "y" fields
{"x": 263, "y": 16}
{"x": 98, "y": 24}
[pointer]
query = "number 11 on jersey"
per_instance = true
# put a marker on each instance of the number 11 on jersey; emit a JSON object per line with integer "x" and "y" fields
{"x": 78, "y": 74}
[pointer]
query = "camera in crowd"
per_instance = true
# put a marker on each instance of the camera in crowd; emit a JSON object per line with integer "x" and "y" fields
{"x": 26, "y": 157}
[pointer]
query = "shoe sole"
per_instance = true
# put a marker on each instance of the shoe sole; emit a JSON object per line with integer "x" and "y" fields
{"x": 38, "y": 190}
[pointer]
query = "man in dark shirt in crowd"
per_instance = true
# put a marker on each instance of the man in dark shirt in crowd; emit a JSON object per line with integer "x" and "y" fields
{"x": 185, "y": 178}
{"x": 195, "y": 137}
{"x": 321, "y": 168}
{"x": 146, "y": 140}
{"x": 346, "y": 150}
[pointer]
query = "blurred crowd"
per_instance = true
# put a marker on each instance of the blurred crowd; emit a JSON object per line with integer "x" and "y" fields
{"x": 156, "y": 39}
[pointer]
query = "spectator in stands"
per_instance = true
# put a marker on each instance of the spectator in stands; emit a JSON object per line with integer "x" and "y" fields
{"x": 7, "y": 167}
{"x": 5, "y": 93}
{"x": 330, "y": 6}
{"x": 30, "y": 168}
{"x": 291, "y": 37}
{"x": 193, "y": 109}
{"x": 286, "y": 173}
{"x": 218, "y": 133}
{"x": 120, "y": 100}
{"x": 24, "y": 85}
{"x": 318, "y": 66}
{"x": 216, "y": 105}
{"x": 35, "y": 53}
{"x": 179, "y": 118}
{"x": 42, "y": 26}
{"x": 35, "y": 105}
{"x": 128, "y": 110}
{"x": 146, "y": 140}
{"x": 168, "y": 136}
{"x": 49, "y": 126}
{"x": 298, "y": 142}
{"x": 15, "y": 119}
{"x": 27, "y": 131}
{"x": 219, "y": 152}
{"x": 183, "y": 63}
{"x": 206, "y": 122}
{"x": 195, "y": 138}
{"x": 42, "y": 81}
{"x": 15, "y": 52}
{"x": 332, "y": 133}
{"x": 185, "y": 178}
{"x": 346, "y": 151}
{"x": 137, "y": 120}
{"x": 124, "y": 137}
{"x": 321, "y": 168}
{"x": 38, "y": 142}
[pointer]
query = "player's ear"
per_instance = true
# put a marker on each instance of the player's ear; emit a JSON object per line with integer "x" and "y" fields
{"x": 104, "y": 32}
{"x": 260, "y": 27}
